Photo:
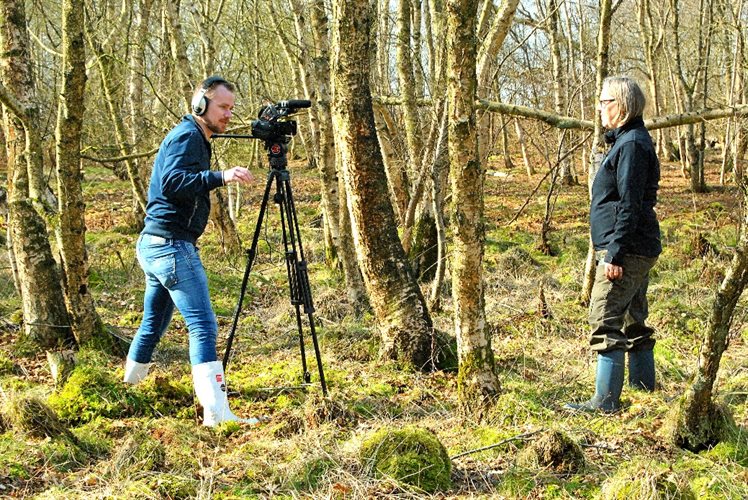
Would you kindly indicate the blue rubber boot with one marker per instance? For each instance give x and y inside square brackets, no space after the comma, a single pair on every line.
[642,370]
[608,384]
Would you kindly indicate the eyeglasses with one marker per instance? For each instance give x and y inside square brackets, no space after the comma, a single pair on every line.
[605,102]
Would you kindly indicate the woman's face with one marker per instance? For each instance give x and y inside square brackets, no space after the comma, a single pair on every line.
[609,110]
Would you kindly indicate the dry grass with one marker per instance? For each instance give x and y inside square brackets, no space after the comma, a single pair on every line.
[310,446]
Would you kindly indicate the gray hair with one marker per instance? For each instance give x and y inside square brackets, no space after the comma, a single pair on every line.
[628,94]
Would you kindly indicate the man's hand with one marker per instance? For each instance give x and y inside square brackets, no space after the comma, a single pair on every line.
[613,272]
[237,174]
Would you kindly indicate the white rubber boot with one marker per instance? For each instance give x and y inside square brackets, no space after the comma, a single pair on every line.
[210,387]
[135,372]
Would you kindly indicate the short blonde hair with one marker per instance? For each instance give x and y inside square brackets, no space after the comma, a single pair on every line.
[628,94]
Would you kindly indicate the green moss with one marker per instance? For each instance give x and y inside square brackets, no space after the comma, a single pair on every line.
[31,415]
[519,407]
[640,480]
[173,486]
[727,451]
[311,474]
[140,452]
[7,366]
[517,261]
[165,395]
[553,450]
[253,376]
[713,478]
[17,458]
[227,429]
[130,319]
[411,455]
[475,400]
[183,442]
[517,483]
[24,347]
[702,433]
[94,437]
[63,455]
[93,391]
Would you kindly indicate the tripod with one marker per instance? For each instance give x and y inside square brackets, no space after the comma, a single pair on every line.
[296,265]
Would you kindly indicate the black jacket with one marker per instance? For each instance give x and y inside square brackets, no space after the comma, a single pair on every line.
[624,193]
[179,192]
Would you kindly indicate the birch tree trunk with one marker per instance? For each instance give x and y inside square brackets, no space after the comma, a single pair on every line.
[334,192]
[523,145]
[734,93]
[179,52]
[395,297]
[495,35]
[740,143]
[415,32]
[105,62]
[566,175]
[698,419]
[598,142]
[45,317]
[477,383]
[353,280]
[406,78]
[135,91]
[331,198]
[652,44]
[383,48]
[71,231]
[687,91]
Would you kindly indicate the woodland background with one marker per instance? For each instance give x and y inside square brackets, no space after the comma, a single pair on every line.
[441,182]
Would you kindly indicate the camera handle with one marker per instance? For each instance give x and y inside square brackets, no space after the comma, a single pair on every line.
[296,264]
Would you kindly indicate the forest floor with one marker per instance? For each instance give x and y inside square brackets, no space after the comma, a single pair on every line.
[146,441]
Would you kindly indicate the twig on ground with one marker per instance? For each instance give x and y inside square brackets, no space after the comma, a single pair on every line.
[495,445]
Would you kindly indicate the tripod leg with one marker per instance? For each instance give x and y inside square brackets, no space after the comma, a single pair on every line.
[291,257]
[251,253]
[301,294]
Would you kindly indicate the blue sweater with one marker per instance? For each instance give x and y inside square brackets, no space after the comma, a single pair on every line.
[179,193]
[624,193]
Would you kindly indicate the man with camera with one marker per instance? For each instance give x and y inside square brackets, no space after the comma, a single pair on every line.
[176,215]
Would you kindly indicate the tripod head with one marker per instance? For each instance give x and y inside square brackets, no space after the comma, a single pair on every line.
[273,127]
[271,124]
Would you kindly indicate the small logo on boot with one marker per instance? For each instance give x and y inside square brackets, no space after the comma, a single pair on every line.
[219,380]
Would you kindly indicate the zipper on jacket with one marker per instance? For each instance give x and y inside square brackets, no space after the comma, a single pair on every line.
[194,209]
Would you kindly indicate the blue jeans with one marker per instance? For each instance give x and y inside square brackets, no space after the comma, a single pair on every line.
[174,276]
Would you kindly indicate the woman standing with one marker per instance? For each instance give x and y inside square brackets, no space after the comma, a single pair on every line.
[626,238]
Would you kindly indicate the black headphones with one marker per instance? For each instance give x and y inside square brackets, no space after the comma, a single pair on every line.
[199,101]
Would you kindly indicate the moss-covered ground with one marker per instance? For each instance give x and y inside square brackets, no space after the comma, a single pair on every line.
[146,441]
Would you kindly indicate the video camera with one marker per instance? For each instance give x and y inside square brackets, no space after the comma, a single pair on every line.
[270,124]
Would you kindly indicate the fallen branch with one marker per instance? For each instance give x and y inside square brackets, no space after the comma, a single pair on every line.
[571,123]
[495,445]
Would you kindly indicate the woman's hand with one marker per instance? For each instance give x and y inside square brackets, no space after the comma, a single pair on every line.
[613,272]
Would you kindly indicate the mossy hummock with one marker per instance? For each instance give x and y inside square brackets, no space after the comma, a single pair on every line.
[412,456]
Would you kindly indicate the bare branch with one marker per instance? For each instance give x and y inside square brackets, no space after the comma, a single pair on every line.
[571,123]
[695,117]
[562,122]
[121,158]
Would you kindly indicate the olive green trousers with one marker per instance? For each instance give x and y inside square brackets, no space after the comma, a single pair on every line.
[619,309]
